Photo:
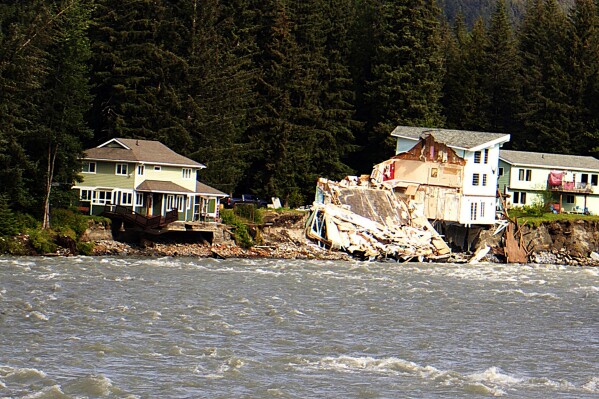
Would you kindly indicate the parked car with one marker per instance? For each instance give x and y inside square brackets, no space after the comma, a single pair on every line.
[246,199]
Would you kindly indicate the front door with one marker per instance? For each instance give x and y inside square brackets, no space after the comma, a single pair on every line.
[157,204]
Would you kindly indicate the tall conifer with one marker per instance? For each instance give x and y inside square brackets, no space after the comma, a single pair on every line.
[406,71]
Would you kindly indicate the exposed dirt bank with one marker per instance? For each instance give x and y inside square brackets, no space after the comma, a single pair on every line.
[564,242]
[573,243]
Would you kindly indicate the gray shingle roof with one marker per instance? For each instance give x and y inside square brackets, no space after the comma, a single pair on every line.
[146,151]
[549,161]
[463,139]
[202,188]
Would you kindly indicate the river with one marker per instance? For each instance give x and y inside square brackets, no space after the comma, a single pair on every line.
[85,327]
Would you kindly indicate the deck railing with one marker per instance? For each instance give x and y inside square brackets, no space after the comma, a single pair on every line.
[146,222]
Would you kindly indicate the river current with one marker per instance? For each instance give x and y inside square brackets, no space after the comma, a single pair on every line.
[85,327]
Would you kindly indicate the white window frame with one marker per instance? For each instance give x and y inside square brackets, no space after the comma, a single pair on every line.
[107,194]
[87,196]
[157,168]
[141,170]
[486,156]
[477,156]
[170,202]
[139,199]
[525,174]
[482,209]
[186,173]
[180,202]
[519,197]
[86,167]
[121,169]
[473,210]
[484,179]
[475,179]
[126,198]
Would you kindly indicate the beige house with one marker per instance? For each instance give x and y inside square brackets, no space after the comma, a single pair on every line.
[569,182]
[147,178]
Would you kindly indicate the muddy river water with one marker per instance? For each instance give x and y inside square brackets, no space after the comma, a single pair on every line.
[85,327]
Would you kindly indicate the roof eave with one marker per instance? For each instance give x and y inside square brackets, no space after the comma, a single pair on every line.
[500,140]
[114,140]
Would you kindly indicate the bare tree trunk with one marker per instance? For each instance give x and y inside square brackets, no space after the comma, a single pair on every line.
[49,178]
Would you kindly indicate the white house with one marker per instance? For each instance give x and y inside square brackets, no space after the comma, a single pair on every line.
[569,182]
[472,193]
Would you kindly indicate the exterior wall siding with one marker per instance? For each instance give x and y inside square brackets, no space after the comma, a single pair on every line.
[105,177]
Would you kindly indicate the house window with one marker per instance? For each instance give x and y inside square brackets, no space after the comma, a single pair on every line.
[482,209]
[85,195]
[170,202]
[487,155]
[157,168]
[477,157]
[139,199]
[126,198]
[102,197]
[186,173]
[519,197]
[88,167]
[475,179]
[525,175]
[473,210]
[484,179]
[140,170]
[584,178]
[180,203]
[569,199]
[121,169]
[500,172]
[594,180]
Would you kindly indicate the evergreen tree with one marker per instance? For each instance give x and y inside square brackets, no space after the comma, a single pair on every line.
[8,221]
[273,133]
[137,72]
[499,80]
[24,36]
[406,71]
[584,74]
[64,99]
[220,82]
[546,113]
[464,97]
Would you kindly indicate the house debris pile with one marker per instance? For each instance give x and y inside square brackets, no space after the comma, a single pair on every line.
[370,221]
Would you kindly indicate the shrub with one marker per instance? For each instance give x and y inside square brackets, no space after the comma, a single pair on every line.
[536,209]
[65,220]
[42,241]
[13,246]
[241,235]
[85,248]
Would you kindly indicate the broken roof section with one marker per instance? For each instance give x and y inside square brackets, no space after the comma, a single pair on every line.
[370,221]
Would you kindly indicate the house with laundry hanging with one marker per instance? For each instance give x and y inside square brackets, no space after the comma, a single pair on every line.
[449,175]
[569,183]
[145,183]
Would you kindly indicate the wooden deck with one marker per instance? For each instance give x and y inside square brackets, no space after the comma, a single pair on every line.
[119,212]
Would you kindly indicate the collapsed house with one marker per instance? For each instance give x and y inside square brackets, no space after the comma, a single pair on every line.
[370,221]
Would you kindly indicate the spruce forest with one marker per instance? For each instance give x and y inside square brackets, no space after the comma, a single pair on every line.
[272,94]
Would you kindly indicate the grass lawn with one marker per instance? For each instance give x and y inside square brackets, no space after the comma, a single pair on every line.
[549,217]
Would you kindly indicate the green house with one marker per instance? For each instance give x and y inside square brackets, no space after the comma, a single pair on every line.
[147,178]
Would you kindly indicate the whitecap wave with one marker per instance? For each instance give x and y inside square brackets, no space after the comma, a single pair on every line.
[492,381]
